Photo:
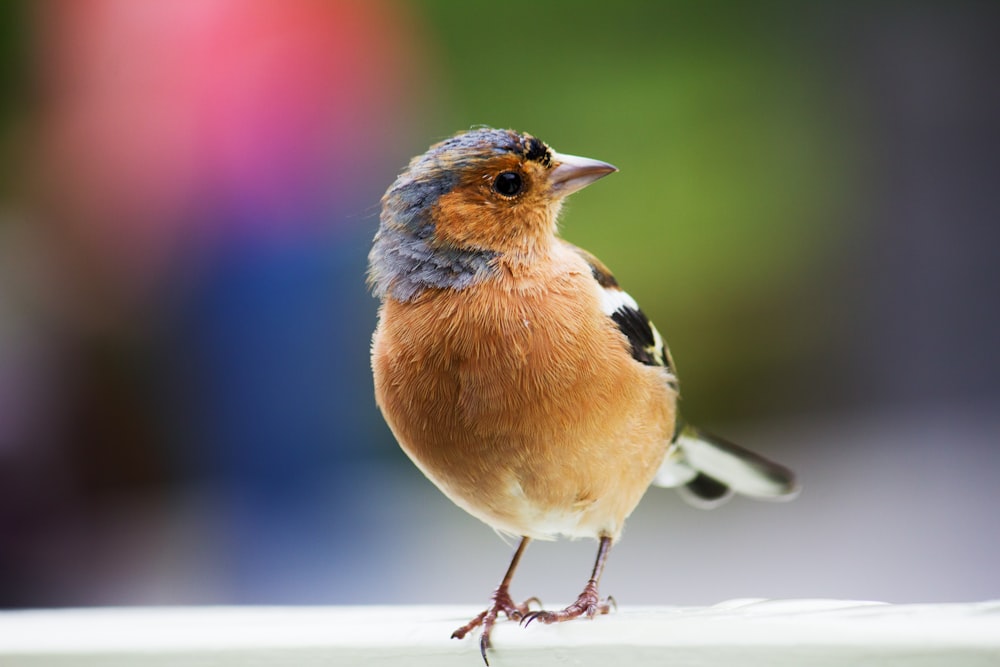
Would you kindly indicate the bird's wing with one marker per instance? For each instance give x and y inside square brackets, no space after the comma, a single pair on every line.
[646,342]
[705,468]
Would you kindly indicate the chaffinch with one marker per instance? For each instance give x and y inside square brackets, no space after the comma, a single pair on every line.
[515,372]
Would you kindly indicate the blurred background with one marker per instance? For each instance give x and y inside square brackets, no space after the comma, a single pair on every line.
[807,207]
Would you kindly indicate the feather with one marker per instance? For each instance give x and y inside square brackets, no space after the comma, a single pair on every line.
[718,461]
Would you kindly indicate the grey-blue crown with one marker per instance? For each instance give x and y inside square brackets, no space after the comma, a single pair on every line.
[404,260]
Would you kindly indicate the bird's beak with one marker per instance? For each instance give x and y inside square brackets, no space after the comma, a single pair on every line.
[573,172]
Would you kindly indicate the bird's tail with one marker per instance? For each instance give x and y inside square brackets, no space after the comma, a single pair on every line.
[707,470]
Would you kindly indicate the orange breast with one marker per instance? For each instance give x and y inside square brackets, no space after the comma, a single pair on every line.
[519,399]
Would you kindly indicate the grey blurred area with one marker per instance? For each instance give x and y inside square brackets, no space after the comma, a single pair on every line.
[807,208]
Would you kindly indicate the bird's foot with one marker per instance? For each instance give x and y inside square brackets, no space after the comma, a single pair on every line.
[500,602]
[589,604]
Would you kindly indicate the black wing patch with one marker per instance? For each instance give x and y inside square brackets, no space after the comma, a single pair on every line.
[646,344]
[639,331]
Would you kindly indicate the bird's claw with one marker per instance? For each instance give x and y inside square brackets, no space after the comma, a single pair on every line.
[588,604]
[500,602]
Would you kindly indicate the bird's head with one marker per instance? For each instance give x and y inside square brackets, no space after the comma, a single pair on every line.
[469,199]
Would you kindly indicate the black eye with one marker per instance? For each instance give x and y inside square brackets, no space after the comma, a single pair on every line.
[508,183]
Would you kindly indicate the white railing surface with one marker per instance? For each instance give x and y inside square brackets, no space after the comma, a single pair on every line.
[747,633]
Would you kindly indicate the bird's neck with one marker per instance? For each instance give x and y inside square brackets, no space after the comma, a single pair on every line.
[404,263]
[403,266]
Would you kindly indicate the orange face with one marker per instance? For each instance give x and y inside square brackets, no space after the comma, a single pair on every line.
[504,204]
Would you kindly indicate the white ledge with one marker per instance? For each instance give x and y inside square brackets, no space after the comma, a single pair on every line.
[740,632]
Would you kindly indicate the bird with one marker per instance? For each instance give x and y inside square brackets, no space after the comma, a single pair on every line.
[515,372]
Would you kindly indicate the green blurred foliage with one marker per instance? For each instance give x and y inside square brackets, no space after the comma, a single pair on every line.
[15,46]
[16,91]
[734,178]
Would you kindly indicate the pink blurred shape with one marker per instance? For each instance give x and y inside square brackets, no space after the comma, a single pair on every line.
[169,124]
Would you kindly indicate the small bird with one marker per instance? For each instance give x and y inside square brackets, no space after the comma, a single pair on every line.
[515,372]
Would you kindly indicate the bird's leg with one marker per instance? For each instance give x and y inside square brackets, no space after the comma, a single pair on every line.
[500,601]
[588,604]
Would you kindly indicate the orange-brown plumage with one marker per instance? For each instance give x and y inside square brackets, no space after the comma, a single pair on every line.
[514,371]
[520,400]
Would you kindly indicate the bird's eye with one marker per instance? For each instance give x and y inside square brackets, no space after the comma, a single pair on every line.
[508,183]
